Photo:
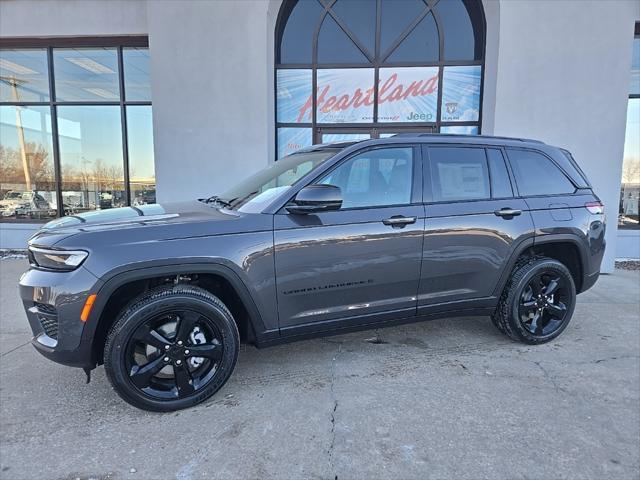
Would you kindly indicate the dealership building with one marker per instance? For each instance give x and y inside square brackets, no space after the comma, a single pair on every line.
[109,103]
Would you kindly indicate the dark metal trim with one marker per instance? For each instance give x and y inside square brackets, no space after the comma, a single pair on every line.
[81,41]
[74,103]
[57,168]
[123,126]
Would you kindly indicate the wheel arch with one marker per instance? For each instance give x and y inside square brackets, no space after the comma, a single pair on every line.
[136,280]
[566,248]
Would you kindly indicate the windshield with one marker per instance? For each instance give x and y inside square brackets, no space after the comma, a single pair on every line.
[256,192]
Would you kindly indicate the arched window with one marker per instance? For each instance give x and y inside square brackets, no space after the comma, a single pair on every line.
[355,69]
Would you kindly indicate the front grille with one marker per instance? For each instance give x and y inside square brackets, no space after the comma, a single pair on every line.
[50,326]
[44,308]
[48,317]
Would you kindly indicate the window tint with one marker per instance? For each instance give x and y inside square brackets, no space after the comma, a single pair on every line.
[24,77]
[500,183]
[137,84]
[26,163]
[86,74]
[459,173]
[335,46]
[460,41]
[421,45]
[397,15]
[359,16]
[375,178]
[298,33]
[537,175]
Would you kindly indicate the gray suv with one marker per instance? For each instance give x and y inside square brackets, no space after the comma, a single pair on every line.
[332,238]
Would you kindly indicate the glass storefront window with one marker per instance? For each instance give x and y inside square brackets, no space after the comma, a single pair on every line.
[84,117]
[86,74]
[137,86]
[142,178]
[24,75]
[292,139]
[345,95]
[90,139]
[378,67]
[344,137]
[461,94]
[408,94]
[293,96]
[460,129]
[634,87]
[628,217]
[27,180]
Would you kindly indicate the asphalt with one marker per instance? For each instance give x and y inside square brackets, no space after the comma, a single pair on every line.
[448,398]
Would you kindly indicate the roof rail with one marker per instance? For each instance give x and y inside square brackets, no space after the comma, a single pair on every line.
[454,135]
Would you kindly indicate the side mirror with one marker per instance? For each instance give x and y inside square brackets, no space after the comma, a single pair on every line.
[315,199]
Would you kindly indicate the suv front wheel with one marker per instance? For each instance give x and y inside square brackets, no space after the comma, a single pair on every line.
[537,303]
[172,348]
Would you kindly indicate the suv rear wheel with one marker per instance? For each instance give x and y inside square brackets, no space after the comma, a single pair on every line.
[171,348]
[537,303]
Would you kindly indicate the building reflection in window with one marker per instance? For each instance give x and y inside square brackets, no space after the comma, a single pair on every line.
[142,177]
[91,161]
[27,180]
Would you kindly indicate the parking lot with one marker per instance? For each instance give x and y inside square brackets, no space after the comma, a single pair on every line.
[447,398]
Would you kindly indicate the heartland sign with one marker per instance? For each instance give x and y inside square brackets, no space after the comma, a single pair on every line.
[334,99]
[405,94]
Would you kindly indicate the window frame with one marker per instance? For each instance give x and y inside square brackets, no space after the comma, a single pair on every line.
[416,185]
[631,96]
[120,43]
[428,178]
[377,60]
[512,172]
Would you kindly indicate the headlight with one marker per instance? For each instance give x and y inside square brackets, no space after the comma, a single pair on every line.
[56,259]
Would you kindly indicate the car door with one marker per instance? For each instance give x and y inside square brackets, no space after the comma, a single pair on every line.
[473,224]
[361,263]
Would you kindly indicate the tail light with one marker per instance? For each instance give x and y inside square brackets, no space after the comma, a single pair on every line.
[595,208]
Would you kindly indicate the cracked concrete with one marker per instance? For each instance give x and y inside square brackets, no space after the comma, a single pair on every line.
[449,398]
[335,408]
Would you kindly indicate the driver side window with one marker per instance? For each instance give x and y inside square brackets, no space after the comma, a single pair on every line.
[378,177]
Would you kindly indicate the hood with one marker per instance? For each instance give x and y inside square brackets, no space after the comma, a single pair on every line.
[146,222]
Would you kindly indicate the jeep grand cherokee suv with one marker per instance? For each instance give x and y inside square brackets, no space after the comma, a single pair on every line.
[332,238]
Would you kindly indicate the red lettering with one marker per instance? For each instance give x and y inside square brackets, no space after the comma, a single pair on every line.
[369,98]
[357,102]
[342,103]
[430,86]
[413,90]
[386,86]
[328,105]
[388,91]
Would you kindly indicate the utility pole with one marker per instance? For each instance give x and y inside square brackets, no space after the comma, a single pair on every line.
[23,145]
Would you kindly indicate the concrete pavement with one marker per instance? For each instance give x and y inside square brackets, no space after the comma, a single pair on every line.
[447,398]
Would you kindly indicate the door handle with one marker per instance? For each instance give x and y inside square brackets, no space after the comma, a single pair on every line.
[507,212]
[399,220]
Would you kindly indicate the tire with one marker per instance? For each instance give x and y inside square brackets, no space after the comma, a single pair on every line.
[537,303]
[150,355]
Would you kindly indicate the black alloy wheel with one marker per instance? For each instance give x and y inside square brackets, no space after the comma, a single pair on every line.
[538,301]
[543,304]
[172,348]
[174,354]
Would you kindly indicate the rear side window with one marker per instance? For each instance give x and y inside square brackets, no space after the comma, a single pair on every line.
[459,174]
[500,183]
[537,175]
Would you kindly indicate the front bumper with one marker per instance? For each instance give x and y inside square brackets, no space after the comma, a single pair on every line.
[53,302]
